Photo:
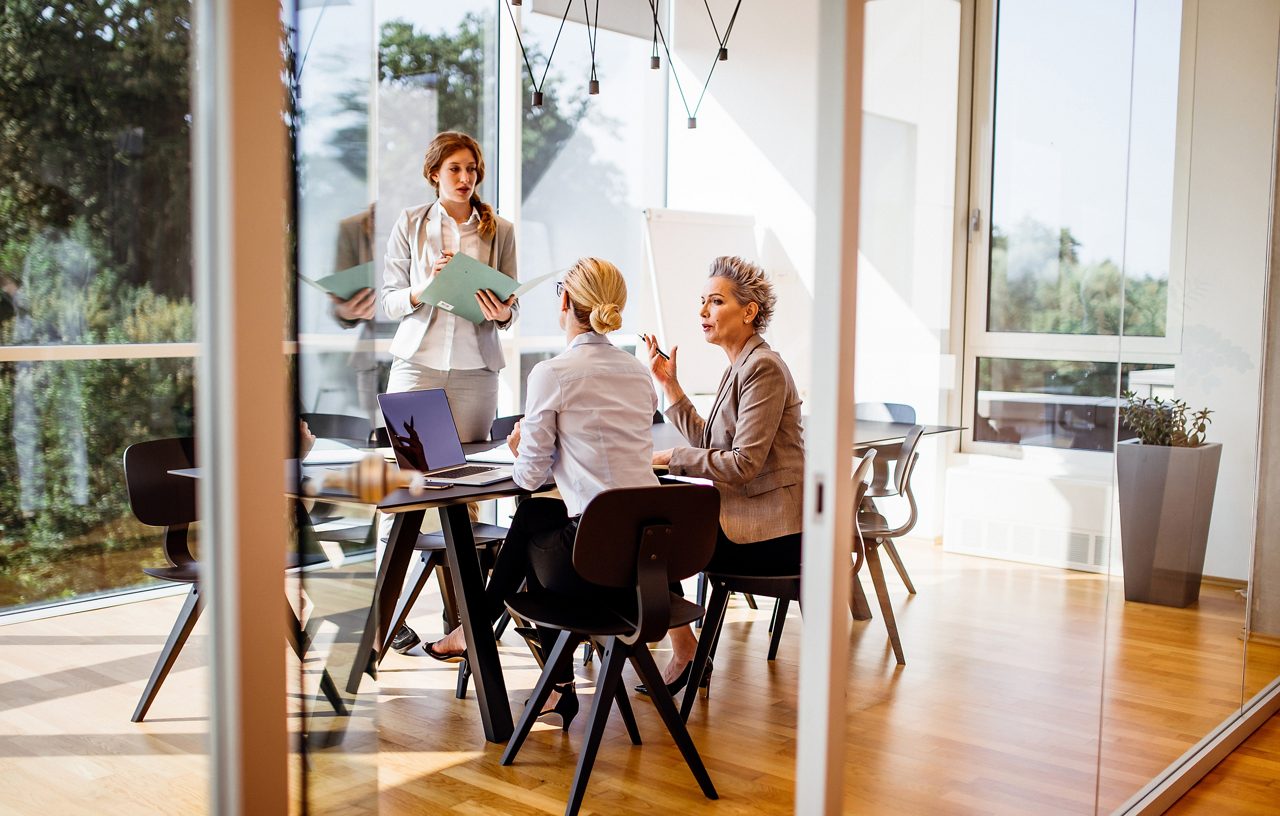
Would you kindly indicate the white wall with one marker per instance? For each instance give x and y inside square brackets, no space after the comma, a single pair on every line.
[1227,231]
[752,154]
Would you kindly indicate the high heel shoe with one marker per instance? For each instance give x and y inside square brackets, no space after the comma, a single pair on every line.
[683,680]
[566,706]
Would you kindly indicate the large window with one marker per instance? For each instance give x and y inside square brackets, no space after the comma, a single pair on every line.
[96,316]
[1080,245]
[590,165]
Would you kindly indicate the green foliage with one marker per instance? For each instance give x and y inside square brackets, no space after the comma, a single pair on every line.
[96,105]
[95,247]
[1157,422]
[1038,284]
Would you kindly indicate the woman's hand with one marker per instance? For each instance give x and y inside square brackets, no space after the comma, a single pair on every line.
[306,439]
[664,369]
[415,295]
[494,309]
[357,307]
[662,457]
[441,259]
[513,439]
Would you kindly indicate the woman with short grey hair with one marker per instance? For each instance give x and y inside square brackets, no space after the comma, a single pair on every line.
[750,446]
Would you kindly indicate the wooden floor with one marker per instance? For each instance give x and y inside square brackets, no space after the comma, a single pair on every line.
[1247,783]
[997,710]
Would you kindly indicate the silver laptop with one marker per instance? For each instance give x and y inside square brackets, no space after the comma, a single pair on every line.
[424,437]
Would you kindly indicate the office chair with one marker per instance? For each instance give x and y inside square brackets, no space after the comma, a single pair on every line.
[161,499]
[785,588]
[640,538]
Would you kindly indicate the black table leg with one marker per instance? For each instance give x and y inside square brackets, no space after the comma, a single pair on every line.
[482,649]
[386,591]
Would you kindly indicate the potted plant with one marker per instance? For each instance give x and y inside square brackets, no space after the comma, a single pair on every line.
[1166,477]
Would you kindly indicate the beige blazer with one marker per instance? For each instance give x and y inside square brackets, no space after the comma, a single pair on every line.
[751,447]
[407,267]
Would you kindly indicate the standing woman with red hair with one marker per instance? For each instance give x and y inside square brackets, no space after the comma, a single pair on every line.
[432,348]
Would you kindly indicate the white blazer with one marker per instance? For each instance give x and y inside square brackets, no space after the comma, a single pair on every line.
[407,267]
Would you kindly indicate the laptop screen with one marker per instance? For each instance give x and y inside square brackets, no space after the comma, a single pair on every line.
[421,430]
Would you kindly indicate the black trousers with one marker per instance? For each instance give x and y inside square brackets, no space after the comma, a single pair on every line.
[773,556]
[539,550]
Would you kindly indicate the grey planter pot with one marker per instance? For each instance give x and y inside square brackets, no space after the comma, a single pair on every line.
[1166,500]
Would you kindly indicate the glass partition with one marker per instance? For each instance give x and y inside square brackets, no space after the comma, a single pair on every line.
[1195,279]
[95,285]
[337,367]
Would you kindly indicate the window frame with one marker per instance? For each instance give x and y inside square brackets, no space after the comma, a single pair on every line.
[975,227]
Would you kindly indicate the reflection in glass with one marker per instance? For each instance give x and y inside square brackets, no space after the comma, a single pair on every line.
[66,530]
[586,178]
[1058,403]
[95,239]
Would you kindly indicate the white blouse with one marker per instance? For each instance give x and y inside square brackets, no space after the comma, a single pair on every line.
[451,343]
[587,422]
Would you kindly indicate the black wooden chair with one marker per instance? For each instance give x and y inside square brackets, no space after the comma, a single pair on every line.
[785,588]
[162,499]
[352,430]
[642,538]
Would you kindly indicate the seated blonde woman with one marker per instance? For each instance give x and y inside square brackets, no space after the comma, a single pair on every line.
[591,393]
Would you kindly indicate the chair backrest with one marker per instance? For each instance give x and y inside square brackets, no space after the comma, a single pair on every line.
[156,496]
[647,538]
[906,458]
[502,427]
[885,412]
[344,428]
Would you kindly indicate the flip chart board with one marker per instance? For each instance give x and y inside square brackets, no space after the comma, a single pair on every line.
[680,246]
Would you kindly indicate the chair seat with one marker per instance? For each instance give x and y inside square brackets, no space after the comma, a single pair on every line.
[881,492]
[185,574]
[871,523]
[569,612]
[485,535]
[772,586]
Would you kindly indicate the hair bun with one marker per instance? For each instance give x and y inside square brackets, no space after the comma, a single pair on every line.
[606,317]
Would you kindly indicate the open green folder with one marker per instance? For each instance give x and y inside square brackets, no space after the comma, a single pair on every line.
[345,283]
[454,289]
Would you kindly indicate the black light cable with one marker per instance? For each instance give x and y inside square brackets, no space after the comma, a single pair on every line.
[721,56]
[593,34]
[537,86]
[655,61]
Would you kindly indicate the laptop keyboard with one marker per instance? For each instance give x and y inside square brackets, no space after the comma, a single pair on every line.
[461,472]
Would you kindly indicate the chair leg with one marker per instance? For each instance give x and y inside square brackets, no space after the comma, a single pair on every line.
[648,671]
[169,654]
[296,634]
[464,679]
[702,597]
[562,651]
[501,626]
[886,608]
[779,621]
[750,599]
[624,702]
[706,644]
[773,619]
[858,605]
[898,565]
[409,595]
[607,689]
[451,620]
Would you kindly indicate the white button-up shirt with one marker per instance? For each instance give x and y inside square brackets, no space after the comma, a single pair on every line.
[452,342]
[588,413]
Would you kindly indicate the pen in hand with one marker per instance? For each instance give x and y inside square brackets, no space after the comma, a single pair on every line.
[661,353]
